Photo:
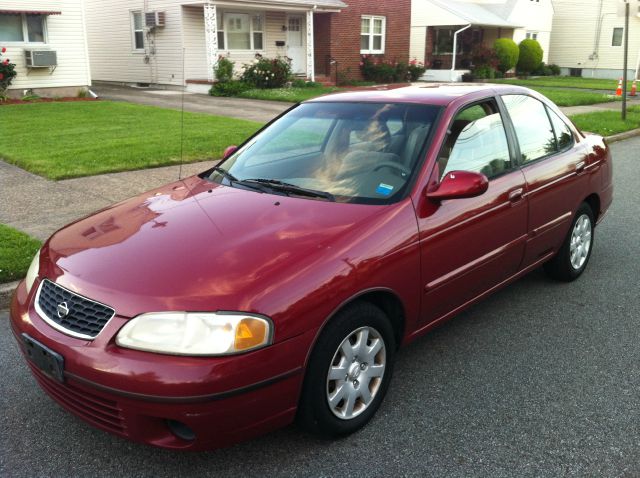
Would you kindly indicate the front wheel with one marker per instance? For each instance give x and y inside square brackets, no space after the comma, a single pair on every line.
[572,258]
[348,372]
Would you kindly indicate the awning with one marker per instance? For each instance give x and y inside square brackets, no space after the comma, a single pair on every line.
[29,12]
[473,14]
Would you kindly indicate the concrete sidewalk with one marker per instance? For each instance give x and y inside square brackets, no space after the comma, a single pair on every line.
[39,206]
[255,110]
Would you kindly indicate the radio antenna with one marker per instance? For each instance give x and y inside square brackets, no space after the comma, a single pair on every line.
[182,119]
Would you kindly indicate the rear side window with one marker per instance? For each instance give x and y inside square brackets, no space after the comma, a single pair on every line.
[564,137]
[533,129]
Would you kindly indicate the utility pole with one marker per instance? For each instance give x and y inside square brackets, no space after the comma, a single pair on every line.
[626,54]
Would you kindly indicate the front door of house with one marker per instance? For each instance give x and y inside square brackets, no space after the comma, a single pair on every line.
[295,43]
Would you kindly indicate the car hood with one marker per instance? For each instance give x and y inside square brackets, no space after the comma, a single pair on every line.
[196,245]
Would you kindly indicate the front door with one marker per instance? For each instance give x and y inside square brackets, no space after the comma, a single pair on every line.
[296,49]
[470,245]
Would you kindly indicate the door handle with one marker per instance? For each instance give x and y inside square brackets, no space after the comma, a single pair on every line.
[580,167]
[516,195]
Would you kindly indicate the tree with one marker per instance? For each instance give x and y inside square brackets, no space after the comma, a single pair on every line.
[507,52]
[530,56]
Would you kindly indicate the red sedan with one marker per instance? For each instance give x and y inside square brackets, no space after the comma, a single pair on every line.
[281,282]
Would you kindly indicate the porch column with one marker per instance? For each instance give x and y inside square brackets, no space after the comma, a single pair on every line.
[211,37]
[310,61]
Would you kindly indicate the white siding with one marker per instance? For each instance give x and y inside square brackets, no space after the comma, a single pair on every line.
[65,35]
[111,48]
[575,38]
[114,59]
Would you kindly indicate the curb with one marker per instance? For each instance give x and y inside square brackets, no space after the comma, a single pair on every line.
[6,292]
[622,136]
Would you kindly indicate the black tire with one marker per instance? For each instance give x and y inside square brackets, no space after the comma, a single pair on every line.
[560,266]
[314,413]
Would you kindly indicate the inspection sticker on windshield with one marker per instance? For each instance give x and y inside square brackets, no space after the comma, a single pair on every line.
[384,189]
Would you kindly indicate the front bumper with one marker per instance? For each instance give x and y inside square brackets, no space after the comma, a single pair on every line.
[136,395]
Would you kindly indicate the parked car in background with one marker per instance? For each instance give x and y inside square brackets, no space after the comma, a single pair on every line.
[281,282]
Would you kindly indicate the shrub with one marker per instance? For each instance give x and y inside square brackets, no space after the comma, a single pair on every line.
[555,69]
[7,74]
[383,71]
[267,72]
[484,73]
[223,70]
[304,84]
[507,53]
[415,70]
[229,88]
[483,57]
[468,77]
[530,56]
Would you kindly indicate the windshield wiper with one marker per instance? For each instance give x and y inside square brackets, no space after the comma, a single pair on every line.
[290,188]
[225,173]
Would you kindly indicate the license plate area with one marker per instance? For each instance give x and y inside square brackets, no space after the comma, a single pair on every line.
[50,362]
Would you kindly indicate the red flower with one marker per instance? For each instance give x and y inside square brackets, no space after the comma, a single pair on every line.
[6,62]
[4,50]
[1,76]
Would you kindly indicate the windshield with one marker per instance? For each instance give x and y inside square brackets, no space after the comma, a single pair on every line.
[350,152]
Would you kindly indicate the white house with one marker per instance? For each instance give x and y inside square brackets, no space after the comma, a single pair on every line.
[153,41]
[46,40]
[588,38]
[436,25]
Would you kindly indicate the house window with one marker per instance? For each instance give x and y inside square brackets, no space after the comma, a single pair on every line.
[372,33]
[241,31]
[444,41]
[22,27]
[532,35]
[616,39]
[138,30]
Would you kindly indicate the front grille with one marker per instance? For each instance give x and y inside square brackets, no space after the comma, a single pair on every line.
[85,318]
[96,410]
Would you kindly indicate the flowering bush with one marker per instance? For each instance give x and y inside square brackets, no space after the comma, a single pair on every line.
[379,70]
[7,74]
[415,70]
[267,72]
[223,69]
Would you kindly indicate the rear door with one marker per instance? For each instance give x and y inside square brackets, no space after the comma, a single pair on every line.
[553,165]
[470,245]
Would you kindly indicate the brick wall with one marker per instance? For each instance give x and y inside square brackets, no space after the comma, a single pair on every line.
[321,37]
[344,34]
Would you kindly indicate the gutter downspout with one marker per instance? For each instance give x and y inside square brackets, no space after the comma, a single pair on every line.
[455,48]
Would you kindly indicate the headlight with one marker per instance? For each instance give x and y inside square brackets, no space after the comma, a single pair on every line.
[195,333]
[32,272]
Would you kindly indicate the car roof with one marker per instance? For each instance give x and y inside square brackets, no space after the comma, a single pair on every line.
[440,94]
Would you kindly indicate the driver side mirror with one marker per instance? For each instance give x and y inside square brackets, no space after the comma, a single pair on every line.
[460,184]
[229,151]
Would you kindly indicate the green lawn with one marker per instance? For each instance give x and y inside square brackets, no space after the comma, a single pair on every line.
[607,123]
[292,95]
[16,251]
[66,140]
[565,97]
[566,82]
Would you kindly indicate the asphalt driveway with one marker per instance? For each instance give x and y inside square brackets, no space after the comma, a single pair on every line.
[541,379]
[255,110]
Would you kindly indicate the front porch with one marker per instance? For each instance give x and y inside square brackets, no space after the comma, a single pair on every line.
[239,30]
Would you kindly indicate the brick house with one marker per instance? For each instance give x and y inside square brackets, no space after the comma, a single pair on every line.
[381,28]
[178,42]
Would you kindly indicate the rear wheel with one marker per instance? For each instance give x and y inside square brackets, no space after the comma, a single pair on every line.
[348,372]
[572,258]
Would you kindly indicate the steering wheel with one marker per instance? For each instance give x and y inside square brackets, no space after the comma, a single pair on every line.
[393,165]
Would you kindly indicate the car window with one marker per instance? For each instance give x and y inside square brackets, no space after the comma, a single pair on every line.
[533,129]
[305,135]
[346,149]
[476,142]
[564,136]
